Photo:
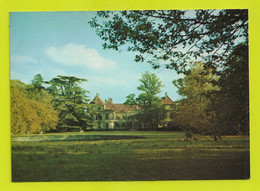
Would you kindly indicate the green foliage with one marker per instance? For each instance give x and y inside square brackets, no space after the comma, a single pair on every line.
[38,81]
[173,38]
[152,116]
[71,101]
[197,82]
[31,110]
[152,110]
[130,100]
[150,86]
[231,103]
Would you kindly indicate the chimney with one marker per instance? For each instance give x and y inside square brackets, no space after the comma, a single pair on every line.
[110,99]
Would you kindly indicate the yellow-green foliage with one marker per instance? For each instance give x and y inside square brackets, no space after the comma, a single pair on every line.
[191,111]
[31,110]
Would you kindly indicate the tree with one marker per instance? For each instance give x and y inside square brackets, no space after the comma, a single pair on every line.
[31,111]
[191,112]
[38,81]
[173,38]
[152,116]
[231,102]
[71,101]
[130,100]
[152,110]
[150,87]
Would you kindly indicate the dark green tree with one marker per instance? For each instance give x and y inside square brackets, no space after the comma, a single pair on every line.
[36,90]
[38,81]
[173,38]
[71,100]
[231,102]
[152,116]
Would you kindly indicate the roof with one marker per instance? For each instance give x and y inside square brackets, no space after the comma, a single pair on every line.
[166,100]
[97,100]
[110,105]
[119,107]
[116,107]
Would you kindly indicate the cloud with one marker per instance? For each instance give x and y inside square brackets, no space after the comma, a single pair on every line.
[72,55]
[23,59]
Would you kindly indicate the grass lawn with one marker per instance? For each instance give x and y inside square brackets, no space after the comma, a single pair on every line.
[129,155]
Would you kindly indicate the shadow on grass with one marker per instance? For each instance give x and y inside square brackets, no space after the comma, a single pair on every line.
[34,138]
[128,166]
[143,157]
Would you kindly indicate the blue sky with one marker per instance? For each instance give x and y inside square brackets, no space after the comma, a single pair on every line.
[63,43]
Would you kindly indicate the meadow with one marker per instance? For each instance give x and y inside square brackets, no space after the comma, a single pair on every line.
[127,156]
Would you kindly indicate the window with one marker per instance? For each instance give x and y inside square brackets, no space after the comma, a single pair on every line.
[99,117]
[99,125]
[116,125]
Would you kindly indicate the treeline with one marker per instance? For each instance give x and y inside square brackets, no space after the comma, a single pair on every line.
[62,105]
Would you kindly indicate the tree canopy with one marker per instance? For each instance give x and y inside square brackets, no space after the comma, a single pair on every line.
[152,110]
[38,81]
[70,100]
[173,38]
[176,39]
[130,100]
[231,102]
[31,109]
[150,87]
[191,112]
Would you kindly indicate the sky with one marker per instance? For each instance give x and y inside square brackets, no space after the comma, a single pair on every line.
[63,43]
